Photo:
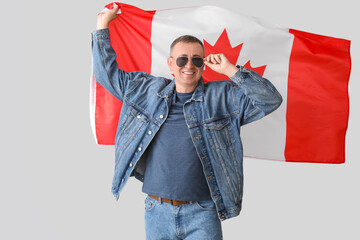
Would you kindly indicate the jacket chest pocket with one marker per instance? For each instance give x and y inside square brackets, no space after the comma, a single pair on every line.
[220,134]
[132,123]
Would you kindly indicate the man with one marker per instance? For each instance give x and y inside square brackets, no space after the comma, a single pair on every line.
[181,137]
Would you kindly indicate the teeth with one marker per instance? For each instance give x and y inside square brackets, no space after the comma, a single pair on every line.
[189,72]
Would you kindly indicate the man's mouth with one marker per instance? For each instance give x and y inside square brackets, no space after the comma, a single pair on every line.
[188,73]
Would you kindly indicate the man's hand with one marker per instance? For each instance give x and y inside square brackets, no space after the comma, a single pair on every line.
[220,64]
[105,18]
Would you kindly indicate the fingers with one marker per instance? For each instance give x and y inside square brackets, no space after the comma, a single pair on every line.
[215,58]
[106,16]
[115,8]
[220,64]
[111,12]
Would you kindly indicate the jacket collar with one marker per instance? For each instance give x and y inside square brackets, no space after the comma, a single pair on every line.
[198,94]
[199,91]
[168,90]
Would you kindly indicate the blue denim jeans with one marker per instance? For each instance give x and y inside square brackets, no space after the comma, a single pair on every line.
[196,220]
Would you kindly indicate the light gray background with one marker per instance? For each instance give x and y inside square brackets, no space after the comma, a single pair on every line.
[55,181]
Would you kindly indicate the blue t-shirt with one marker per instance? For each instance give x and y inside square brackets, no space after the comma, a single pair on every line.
[173,168]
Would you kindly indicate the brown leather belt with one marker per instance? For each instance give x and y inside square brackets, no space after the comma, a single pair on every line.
[172,202]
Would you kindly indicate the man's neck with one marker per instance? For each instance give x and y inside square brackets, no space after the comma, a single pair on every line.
[185,89]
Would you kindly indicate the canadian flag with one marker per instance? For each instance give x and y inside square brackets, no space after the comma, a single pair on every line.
[310,71]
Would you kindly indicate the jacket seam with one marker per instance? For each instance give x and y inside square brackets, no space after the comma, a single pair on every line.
[142,111]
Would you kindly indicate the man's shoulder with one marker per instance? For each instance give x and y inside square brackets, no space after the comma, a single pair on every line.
[219,84]
[149,77]
[219,88]
[149,81]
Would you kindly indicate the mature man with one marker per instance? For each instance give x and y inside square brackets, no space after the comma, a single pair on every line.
[181,137]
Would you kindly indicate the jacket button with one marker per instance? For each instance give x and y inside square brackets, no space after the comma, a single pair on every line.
[149,132]
[130,164]
[122,180]
[138,116]
[161,116]
[139,149]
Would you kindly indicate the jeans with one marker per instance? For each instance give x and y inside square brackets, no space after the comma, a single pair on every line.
[197,220]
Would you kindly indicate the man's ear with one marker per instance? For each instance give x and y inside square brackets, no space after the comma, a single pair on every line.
[170,63]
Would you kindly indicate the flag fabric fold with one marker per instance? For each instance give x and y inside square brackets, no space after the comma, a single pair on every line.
[310,71]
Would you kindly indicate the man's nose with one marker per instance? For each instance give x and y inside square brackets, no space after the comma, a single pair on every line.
[189,64]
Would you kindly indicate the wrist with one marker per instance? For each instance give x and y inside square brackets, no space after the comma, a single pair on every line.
[231,70]
[102,26]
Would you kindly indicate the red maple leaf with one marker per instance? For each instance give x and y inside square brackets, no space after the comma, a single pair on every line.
[260,70]
[223,45]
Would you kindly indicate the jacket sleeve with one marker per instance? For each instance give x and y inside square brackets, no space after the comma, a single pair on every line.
[106,70]
[255,96]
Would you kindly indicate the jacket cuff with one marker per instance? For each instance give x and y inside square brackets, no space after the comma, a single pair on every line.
[237,77]
[101,34]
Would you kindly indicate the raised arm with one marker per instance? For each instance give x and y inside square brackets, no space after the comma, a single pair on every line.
[106,70]
[256,96]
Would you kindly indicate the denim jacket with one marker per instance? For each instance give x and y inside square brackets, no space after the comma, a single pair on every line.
[213,115]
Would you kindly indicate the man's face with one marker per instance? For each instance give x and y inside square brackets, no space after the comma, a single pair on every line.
[188,76]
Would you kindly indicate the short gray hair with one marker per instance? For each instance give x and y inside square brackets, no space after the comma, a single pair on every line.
[186,39]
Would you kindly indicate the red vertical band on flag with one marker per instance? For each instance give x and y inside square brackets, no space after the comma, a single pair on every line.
[317,99]
[133,50]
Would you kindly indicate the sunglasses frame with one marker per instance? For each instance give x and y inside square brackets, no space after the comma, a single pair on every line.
[187,60]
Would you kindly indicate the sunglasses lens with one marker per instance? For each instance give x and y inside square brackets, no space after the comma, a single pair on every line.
[181,61]
[198,62]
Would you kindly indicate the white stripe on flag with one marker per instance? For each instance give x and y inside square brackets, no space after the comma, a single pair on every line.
[92,98]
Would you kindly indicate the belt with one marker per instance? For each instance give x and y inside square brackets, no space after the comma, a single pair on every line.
[172,202]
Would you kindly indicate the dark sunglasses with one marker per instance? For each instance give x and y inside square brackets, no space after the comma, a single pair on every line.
[197,61]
